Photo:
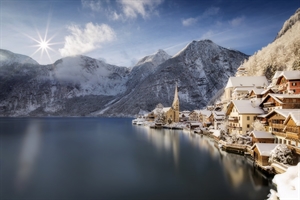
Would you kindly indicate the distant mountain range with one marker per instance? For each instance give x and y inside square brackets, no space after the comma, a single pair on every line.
[83,86]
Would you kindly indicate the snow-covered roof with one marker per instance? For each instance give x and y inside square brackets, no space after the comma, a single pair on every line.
[277,74]
[265,148]
[258,90]
[196,124]
[289,75]
[243,89]
[262,134]
[216,133]
[219,113]
[282,112]
[279,97]
[207,113]
[295,115]
[247,81]
[265,91]
[246,107]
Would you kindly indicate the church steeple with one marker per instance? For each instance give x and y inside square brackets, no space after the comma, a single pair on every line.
[175,105]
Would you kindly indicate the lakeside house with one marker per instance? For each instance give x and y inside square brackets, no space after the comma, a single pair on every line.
[262,137]
[243,82]
[280,101]
[241,114]
[287,82]
[262,152]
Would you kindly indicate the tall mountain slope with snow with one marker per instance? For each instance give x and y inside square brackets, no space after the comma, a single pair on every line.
[200,70]
[71,86]
[282,54]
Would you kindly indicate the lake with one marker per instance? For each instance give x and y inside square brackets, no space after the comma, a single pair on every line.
[109,158]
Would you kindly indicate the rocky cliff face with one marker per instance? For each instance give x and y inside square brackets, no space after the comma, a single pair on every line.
[82,86]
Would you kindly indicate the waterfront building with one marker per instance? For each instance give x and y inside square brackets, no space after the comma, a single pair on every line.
[241,114]
[262,137]
[292,129]
[280,101]
[194,116]
[206,117]
[243,83]
[262,152]
[218,118]
[286,82]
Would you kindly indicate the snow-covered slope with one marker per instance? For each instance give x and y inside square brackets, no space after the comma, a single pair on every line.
[8,58]
[200,69]
[79,86]
[281,54]
[156,59]
[94,77]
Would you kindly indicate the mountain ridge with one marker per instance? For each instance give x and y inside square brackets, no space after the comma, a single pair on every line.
[83,86]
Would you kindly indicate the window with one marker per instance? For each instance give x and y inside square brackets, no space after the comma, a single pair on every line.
[248,125]
[294,84]
[254,118]
[248,117]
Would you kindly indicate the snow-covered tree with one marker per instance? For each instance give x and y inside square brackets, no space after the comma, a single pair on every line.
[258,126]
[282,154]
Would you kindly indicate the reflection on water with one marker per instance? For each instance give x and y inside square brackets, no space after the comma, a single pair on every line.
[162,139]
[109,158]
[28,154]
[236,169]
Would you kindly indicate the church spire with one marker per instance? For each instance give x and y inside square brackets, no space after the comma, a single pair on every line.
[175,103]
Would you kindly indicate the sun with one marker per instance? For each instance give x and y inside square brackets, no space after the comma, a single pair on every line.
[44,45]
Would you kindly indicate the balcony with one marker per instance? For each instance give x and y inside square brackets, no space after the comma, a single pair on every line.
[269,104]
[279,126]
[233,119]
[279,133]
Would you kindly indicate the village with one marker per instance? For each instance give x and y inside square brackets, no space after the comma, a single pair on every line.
[255,117]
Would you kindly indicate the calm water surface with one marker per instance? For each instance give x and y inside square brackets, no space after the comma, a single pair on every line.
[109,158]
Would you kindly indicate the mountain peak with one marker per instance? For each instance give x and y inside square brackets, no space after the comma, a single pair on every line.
[197,44]
[8,57]
[157,58]
[289,23]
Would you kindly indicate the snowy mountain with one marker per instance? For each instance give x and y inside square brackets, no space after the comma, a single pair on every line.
[8,58]
[71,86]
[83,86]
[200,70]
[282,54]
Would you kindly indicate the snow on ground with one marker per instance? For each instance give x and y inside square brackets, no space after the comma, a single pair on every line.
[288,184]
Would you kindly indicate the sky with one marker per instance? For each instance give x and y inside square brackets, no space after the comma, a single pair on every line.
[121,32]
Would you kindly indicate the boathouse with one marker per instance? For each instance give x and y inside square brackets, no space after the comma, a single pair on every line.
[262,152]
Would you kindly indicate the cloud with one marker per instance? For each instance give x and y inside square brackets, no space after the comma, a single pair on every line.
[237,21]
[128,9]
[133,8]
[189,21]
[210,11]
[84,40]
[207,13]
[208,35]
[94,5]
